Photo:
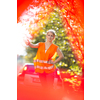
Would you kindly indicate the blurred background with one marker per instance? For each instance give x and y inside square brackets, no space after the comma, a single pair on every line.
[66,17]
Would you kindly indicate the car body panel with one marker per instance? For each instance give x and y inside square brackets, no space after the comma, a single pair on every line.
[28,76]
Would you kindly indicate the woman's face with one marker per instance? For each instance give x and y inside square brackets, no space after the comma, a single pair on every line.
[50,36]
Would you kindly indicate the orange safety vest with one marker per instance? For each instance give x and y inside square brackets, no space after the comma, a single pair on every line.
[41,60]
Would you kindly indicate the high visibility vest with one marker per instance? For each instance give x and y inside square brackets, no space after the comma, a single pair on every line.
[41,60]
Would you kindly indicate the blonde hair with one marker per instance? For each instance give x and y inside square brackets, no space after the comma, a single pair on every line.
[52,31]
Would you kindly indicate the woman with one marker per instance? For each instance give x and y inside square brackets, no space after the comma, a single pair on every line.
[45,59]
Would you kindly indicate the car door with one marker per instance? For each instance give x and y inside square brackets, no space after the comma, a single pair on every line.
[31,77]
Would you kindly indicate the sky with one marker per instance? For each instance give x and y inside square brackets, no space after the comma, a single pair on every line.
[20,39]
[22,32]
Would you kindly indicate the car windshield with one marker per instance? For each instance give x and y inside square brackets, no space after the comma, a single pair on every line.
[30,68]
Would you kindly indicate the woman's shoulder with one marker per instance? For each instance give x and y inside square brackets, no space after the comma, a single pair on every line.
[55,45]
[40,43]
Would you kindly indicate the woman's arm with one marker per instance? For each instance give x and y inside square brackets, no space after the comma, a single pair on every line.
[31,45]
[61,56]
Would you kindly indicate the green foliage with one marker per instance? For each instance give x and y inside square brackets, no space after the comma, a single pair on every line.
[61,40]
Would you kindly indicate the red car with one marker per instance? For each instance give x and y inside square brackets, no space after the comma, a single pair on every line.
[28,76]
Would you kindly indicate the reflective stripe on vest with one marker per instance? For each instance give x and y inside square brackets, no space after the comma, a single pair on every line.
[40,61]
[40,67]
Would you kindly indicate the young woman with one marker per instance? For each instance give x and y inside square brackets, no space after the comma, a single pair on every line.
[45,59]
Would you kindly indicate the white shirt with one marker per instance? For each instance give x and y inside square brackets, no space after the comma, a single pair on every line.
[45,51]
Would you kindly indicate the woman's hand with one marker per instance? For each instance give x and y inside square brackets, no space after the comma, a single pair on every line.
[27,42]
[51,62]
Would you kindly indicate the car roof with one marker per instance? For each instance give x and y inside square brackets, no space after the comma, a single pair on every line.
[28,64]
[33,64]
